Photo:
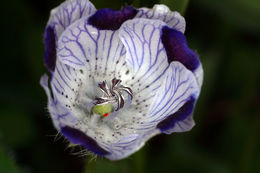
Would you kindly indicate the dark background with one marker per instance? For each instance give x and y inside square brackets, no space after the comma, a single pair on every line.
[226,34]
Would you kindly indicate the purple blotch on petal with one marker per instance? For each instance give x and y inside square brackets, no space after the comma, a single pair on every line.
[78,137]
[180,115]
[109,19]
[50,48]
[177,49]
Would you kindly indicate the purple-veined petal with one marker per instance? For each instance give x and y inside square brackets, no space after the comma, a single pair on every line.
[90,50]
[99,52]
[177,49]
[124,146]
[109,19]
[78,137]
[163,13]
[64,115]
[177,88]
[61,17]
[67,13]
[65,84]
[60,114]
[181,120]
[146,58]
[50,48]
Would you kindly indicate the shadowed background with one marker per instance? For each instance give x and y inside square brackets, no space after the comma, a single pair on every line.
[225,33]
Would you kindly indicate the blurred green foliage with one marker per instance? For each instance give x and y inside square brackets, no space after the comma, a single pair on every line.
[226,34]
[7,164]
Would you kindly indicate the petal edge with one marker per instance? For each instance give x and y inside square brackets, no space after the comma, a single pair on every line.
[177,49]
[183,113]
[78,137]
[109,19]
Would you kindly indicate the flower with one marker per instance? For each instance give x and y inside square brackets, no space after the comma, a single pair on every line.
[118,78]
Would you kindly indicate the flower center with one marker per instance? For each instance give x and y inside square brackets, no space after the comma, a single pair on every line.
[113,98]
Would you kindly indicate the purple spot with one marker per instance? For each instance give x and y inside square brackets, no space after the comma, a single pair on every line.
[180,115]
[177,49]
[109,19]
[50,48]
[78,137]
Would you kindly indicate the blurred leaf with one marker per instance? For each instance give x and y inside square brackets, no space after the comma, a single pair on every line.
[186,152]
[135,163]
[210,61]
[16,127]
[176,5]
[140,161]
[102,165]
[136,3]
[245,14]
[148,3]
[34,55]
[7,164]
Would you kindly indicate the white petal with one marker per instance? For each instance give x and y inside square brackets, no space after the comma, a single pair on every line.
[163,13]
[176,89]
[68,12]
[60,115]
[100,52]
[146,57]
[199,75]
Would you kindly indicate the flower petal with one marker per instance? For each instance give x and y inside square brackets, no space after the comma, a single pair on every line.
[77,137]
[109,19]
[146,56]
[124,147]
[67,13]
[177,49]
[65,84]
[178,87]
[60,114]
[50,48]
[179,121]
[99,52]
[163,13]
[61,17]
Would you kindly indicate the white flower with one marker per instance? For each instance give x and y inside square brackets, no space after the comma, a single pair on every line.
[118,78]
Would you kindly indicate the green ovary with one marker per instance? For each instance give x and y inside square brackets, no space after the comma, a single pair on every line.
[102,109]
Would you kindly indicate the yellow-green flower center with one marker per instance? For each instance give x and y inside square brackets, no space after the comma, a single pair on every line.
[102,109]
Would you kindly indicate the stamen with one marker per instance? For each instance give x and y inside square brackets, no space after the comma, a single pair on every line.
[104,87]
[115,82]
[113,94]
[120,99]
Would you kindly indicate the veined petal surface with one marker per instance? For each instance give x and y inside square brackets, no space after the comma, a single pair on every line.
[139,55]
[146,58]
[68,12]
[61,17]
[177,49]
[59,113]
[98,52]
[163,13]
[176,89]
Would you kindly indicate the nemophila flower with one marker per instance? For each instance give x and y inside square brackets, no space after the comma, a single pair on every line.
[118,78]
